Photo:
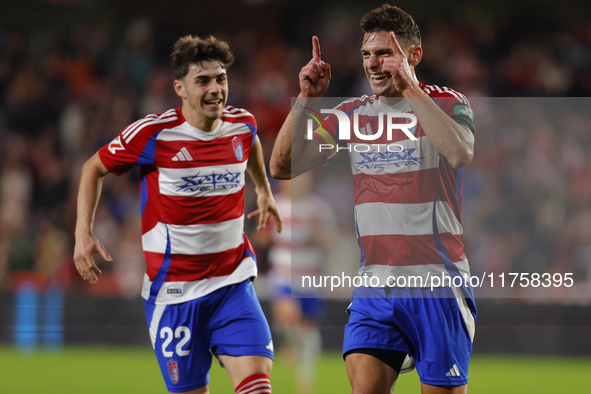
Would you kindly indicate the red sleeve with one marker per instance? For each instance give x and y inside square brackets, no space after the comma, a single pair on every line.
[119,157]
[136,144]
[454,104]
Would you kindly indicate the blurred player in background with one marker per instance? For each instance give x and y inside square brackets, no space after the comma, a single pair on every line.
[197,289]
[300,249]
[407,209]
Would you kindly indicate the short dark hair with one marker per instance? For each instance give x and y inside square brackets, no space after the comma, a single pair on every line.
[191,49]
[391,18]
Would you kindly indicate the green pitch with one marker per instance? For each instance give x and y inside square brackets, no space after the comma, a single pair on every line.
[130,370]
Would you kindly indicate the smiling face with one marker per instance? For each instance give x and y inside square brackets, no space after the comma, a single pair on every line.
[204,91]
[376,45]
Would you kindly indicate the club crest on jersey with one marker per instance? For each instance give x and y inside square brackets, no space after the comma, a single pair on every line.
[116,145]
[238,149]
[173,371]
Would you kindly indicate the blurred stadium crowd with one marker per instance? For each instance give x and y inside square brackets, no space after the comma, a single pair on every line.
[68,89]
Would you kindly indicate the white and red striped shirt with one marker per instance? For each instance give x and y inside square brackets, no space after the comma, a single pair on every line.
[192,201]
[407,201]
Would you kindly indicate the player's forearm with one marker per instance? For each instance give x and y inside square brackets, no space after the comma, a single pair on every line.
[280,163]
[89,191]
[256,168]
[451,139]
[292,154]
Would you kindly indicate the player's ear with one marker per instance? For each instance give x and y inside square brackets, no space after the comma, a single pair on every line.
[415,56]
[179,88]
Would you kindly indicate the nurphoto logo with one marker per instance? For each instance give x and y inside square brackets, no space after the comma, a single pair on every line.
[386,124]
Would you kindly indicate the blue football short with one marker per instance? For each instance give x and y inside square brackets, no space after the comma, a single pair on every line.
[228,321]
[436,331]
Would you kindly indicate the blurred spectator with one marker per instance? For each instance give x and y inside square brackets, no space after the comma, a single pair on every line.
[301,249]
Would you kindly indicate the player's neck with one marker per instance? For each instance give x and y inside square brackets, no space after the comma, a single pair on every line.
[200,122]
[392,100]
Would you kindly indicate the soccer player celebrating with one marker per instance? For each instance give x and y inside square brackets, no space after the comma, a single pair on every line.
[407,188]
[197,289]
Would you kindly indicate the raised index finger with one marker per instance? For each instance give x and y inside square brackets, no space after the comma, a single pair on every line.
[315,48]
[394,44]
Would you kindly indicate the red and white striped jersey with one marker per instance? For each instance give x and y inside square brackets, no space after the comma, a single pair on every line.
[192,201]
[407,195]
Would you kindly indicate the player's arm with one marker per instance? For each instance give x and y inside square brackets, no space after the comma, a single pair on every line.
[267,207]
[87,245]
[451,139]
[292,154]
